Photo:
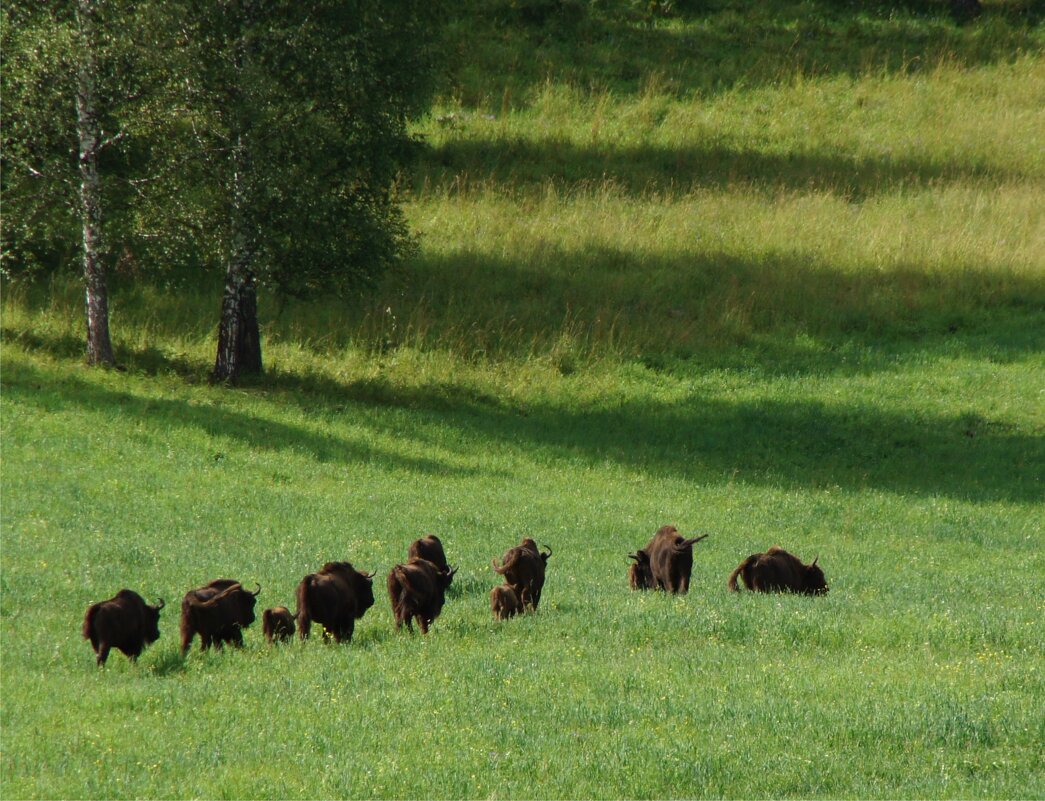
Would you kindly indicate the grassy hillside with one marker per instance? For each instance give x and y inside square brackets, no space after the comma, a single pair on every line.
[768,271]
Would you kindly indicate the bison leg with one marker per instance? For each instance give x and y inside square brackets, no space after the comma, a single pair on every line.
[103,652]
[236,638]
[423,624]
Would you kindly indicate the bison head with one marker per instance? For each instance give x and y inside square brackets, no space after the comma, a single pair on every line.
[815,582]
[364,587]
[152,621]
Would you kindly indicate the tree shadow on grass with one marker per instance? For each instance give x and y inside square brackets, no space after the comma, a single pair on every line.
[671,307]
[522,165]
[26,385]
[723,44]
[800,444]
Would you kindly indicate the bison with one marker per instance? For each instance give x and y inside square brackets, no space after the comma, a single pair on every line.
[277,624]
[523,568]
[218,612]
[504,602]
[418,590]
[776,570]
[430,548]
[671,559]
[335,597]
[640,574]
[124,622]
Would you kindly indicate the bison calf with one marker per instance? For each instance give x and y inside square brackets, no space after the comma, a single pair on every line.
[277,624]
[504,602]
[218,612]
[418,590]
[124,622]
[640,574]
[523,568]
[776,570]
[335,596]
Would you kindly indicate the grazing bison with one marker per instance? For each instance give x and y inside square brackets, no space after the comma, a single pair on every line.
[778,571]
[335,597]
[504,602]
[418,590]
[430,548]
[124,622]
[218,612]
[523,568]
[671,559]
[640,574]
[277,623]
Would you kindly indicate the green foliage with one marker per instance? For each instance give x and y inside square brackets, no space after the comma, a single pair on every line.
[319,95]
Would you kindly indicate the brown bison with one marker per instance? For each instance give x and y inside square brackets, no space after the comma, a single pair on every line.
[523,568]
[504,603]
[124,622]
[335,597]
[671,559]
[778,571]
[418,590]
[277,623]
[640,574]
[218,612]
[430,548]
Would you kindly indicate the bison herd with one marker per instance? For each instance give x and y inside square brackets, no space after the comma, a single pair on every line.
[337,595]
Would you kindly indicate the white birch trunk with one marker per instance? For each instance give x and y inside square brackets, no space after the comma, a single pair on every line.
[99,345]
[239,338]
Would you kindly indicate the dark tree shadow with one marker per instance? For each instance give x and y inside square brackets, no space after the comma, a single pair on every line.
[527,165]
[26,385]
[723,43]
[797,444]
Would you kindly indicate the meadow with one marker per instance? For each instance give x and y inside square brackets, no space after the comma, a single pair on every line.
[773,272]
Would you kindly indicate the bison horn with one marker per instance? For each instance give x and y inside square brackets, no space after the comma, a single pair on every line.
[634,556]
[370,575]
[814,561]
[546,555]
[257,592]
[160,605]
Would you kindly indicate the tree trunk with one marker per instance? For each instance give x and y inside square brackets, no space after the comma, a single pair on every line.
[239,339]
[99,346]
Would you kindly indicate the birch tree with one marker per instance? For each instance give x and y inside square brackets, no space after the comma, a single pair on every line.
[64,90]
[295,114]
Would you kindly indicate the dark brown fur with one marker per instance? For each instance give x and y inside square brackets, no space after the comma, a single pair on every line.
[124,622]
[277,623]
[523,568]
[671,559]
[418,590]
[504,603]
[218,612]
[430,548]
[640,574]
[335,597]
[776,570]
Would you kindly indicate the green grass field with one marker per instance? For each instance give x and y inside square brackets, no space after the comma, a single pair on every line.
[771,272]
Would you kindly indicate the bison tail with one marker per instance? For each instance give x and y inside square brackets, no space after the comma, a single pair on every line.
[741,568]
[497,569]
